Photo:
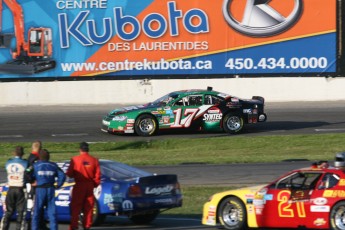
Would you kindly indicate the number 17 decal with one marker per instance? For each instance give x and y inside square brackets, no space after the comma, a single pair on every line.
[185,122]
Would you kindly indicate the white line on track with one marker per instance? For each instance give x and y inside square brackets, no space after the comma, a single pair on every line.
[11,136]
[70,135]
[329,130]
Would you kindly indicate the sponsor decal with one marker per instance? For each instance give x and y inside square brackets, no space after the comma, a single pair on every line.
[159,190]
[119,118]
[166,120]
[342,182]
[97,192]
[127,205]
[118,197]
[128,131]
[212,117]
[63,203]
[320,201]
[108,198]
[130,121]
[63,197]
[111,206]
[334,193]
[164,201]
[261,19]
[268,197]
[319,222]
[320,208]
[120,128]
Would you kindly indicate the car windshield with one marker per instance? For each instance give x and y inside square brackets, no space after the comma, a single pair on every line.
[118,171]
[162,101]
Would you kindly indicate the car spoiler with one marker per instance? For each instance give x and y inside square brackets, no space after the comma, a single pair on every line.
[158,179]
[259,98]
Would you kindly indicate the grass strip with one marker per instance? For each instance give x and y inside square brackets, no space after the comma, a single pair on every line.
[217,150]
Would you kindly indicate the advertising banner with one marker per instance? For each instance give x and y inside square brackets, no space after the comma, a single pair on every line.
[136,38]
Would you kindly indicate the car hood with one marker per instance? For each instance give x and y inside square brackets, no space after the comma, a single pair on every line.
[127,109]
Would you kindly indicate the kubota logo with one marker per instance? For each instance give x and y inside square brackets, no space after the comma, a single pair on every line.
[262,18]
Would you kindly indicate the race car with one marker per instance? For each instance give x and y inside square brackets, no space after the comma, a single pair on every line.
[312,197]
[187,109]
[124,190]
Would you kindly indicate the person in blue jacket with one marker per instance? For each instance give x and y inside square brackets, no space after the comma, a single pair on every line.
[45,174]
[15,198]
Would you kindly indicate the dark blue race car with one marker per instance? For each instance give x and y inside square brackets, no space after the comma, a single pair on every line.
[124,190]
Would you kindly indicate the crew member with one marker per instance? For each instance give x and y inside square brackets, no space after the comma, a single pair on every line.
[15,198]
[45,173]
[85,170]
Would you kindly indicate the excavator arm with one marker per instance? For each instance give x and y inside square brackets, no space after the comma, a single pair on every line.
[18,21]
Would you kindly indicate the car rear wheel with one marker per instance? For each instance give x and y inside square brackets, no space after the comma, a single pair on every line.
[233,123]
[232,214]
[145,125]
[97,218]
[145,218]
[337,217]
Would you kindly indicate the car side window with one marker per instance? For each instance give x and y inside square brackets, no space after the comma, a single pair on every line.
[191,100]
[329,180]
[298,180]
[212,100]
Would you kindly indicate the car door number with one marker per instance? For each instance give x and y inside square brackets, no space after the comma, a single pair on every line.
[285,207]
[185,122]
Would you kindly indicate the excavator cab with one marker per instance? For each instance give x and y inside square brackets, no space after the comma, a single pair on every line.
[40,42]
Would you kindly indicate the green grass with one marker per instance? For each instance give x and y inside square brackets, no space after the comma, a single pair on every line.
[230,149]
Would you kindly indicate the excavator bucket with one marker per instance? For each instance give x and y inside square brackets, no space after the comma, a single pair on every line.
[5,40]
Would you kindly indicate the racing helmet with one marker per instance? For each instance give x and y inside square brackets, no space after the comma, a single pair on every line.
[340,160]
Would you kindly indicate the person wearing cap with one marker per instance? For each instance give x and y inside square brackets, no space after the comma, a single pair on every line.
[45,174]
[86,172]
[15,198]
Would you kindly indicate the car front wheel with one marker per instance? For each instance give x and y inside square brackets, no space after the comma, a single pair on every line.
[145,125]
[233,123]
[337,217]
[232,214]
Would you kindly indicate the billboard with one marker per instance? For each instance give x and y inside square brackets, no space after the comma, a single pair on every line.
[130,38]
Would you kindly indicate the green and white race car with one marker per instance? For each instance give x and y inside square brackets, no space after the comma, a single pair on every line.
[187,109]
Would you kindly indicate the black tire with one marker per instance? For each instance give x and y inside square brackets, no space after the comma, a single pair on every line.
[145,125]
[337,216]
[232,214]
[144,218]
[233,123]
[97,218]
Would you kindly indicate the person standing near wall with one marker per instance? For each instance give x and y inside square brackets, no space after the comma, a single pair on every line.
[15,198]
[86,172]
[45,172]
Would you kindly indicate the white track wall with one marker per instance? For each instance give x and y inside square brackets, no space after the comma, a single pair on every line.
[141,91]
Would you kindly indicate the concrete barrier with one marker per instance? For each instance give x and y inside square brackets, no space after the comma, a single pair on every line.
[277,89]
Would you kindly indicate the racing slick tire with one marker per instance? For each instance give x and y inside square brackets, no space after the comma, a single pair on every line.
[233,123]
[337,221]
[145,125]
[97,218]
[232,214]
[144,218]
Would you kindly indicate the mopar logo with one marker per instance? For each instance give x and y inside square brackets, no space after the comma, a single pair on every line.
[260,19]
[159,190]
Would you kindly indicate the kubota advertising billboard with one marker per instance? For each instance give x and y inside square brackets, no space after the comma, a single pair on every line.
[139,38]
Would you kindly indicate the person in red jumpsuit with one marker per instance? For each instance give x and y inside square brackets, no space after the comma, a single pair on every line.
[86,172]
